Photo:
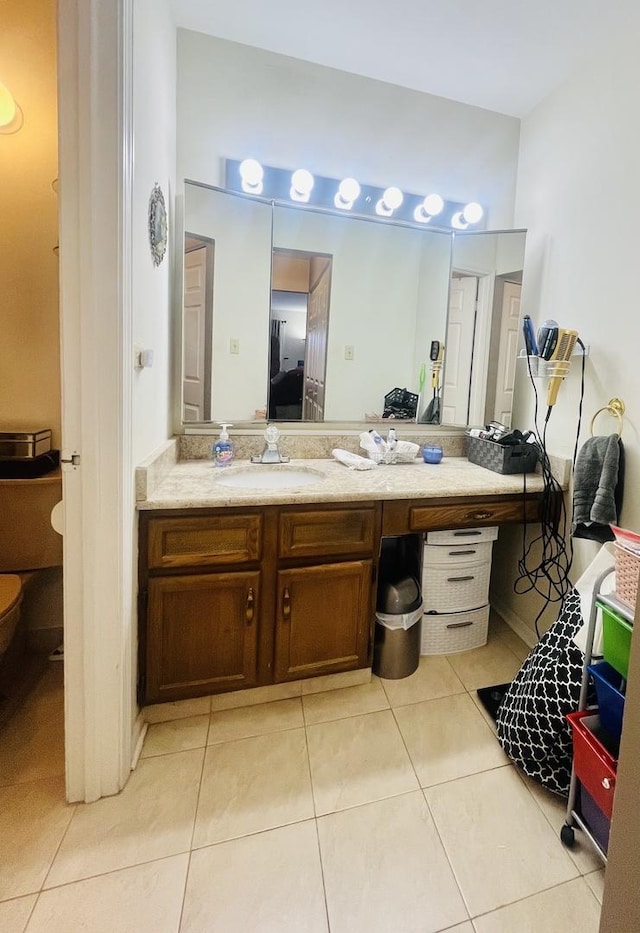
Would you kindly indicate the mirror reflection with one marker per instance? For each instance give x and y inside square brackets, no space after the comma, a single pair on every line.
[302,316]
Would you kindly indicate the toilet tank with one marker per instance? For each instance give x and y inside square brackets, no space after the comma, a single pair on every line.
[27,540]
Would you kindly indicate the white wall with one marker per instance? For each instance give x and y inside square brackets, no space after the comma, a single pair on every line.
[154,90]
[579,197]
[235,101]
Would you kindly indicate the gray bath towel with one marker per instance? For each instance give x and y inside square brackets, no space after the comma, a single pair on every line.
[597,488]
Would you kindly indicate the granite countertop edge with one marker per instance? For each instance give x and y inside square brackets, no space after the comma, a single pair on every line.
[197,484]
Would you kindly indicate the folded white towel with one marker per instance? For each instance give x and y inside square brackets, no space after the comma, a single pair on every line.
[604,560]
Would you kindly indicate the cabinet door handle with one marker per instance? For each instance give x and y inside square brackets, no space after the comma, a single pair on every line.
[479,516]
[459,579]
[286,604]
[248,610]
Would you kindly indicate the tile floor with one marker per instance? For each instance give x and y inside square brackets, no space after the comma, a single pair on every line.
[386,806]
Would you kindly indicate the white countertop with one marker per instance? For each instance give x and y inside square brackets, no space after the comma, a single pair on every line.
[196,484]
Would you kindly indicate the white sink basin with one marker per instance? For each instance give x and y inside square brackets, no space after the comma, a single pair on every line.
[260,476]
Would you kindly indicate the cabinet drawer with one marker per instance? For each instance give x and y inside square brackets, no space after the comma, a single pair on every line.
[472,514]
[330,533]
[204,541]
[595,765]
[457,555]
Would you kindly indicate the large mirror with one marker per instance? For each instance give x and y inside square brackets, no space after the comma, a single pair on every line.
[303,316]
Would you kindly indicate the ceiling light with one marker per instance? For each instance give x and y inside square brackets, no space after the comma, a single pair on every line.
[430,207]
[389,202]
[458,221]
[348,192]
[10,114]
[301,185]
[251,173]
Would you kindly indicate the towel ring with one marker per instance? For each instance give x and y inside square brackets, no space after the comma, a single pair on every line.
[616,408]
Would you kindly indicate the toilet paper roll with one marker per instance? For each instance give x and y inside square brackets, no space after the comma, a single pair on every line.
[57,518]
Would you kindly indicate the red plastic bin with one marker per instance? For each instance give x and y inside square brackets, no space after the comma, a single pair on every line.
[594,765]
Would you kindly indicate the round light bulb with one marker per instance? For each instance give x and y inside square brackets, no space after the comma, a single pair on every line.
[7,106]
[458,221]
[433,204]
[473,212]
[251,172]
[302,181]
[392,198]
[349,190]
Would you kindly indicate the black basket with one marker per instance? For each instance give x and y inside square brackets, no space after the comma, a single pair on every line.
[515,458]
[401,404]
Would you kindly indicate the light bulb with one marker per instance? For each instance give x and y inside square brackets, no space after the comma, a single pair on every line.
[7,106]
[389,202]
[348,192]
[458,221]
[473,212]
[301,185]
[251,174]
[430,207]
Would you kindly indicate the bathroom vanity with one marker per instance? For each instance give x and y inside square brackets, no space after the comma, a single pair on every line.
[249,586]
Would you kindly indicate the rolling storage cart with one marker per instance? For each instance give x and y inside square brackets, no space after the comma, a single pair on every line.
[596,731]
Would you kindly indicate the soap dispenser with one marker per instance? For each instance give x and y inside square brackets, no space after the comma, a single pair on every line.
[223,448]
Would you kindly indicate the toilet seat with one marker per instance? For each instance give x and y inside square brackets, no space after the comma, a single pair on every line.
[10,592]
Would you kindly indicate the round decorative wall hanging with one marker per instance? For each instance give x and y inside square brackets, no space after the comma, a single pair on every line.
[157,225]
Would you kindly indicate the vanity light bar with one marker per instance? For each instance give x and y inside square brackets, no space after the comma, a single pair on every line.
[349,195]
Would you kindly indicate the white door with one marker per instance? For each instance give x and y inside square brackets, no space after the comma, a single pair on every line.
[458,349]
[507,353]
[315,366]
[194,336]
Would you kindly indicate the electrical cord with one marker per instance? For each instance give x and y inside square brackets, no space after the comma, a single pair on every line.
[549,576]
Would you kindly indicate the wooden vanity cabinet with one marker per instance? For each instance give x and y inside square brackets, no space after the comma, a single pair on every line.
[242,598]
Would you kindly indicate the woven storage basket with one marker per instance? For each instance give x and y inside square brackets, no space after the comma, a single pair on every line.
[454,631]
[627,568]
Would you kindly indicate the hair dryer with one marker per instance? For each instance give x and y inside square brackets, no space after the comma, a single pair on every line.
[561,355]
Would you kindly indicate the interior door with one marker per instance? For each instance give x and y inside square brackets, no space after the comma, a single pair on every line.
[316,356]
[459,349]
[507,353]
[194,390]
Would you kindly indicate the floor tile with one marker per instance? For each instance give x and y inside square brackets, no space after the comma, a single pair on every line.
[14,914]
[268,882]
[555,810]
[483,712]
[33,820]
[177,735]
[151,818]
[252,785]
[350,701]
[336,681]
[255,695]
[595,880]
[494,663]
[569,906]
[32,746]
[447,739]
[497,625]
[180,709]
[433,678]
[500,845]
[357,760]
[385,869]
[143,899]
[231,724]
[515,644]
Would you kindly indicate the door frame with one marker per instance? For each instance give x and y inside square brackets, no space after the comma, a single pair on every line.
[95,107]
[481,337]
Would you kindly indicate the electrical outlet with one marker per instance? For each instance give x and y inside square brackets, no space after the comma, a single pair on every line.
[348,353]
[234,345]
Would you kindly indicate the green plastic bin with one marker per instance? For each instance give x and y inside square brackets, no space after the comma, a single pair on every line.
[616,635]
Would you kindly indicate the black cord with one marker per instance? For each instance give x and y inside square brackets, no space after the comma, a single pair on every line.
[549,577]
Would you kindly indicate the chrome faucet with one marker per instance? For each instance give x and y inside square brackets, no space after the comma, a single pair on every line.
[271,452]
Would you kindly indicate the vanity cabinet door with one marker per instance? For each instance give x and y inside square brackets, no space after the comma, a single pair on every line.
[323,619]
[202,634]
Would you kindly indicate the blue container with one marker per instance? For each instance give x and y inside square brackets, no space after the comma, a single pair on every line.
[609,684]
[431,453]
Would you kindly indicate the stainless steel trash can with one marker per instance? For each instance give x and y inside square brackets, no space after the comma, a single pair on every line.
[396,646]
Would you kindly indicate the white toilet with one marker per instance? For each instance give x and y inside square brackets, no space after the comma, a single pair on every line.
[28,544]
